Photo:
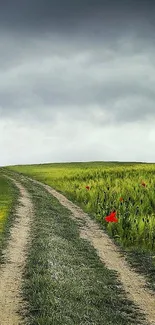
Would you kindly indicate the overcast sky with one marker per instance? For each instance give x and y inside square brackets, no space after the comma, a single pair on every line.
[77,81]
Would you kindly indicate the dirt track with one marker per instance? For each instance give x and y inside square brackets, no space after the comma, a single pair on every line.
[11,272]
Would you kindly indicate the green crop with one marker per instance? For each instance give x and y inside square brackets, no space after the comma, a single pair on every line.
[5,200]
[108,183]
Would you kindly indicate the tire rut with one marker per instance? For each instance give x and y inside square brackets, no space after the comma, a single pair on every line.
[11,272]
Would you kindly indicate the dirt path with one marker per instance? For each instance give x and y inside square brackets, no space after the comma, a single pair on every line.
[133,282]
[11,272]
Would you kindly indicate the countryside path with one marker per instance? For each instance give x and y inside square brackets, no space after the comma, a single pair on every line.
[133,283]
[11,272]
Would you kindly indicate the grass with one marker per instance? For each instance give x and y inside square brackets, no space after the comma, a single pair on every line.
[65,283]
[8,200]
[108,183]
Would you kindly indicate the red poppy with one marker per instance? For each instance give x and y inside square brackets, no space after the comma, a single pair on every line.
[121,199]
[111,217]
[87,187]
[143,184]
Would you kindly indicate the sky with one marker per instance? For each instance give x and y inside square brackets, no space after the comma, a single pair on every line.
[77,81]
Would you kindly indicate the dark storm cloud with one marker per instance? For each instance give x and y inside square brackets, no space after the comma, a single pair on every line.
[63,15]
[33,9]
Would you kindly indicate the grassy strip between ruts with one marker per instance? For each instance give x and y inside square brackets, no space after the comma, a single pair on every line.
[9,197]
[65,283]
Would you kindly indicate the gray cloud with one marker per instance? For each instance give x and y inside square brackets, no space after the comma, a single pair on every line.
[74,73]
[120,82]
[93,18]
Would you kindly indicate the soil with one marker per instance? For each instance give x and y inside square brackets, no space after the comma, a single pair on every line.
[11,271]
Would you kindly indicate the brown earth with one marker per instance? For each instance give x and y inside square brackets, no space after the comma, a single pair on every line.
[11,271]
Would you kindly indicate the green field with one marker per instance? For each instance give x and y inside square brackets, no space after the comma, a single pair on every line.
[108,182]
[8,199]
[5,201]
